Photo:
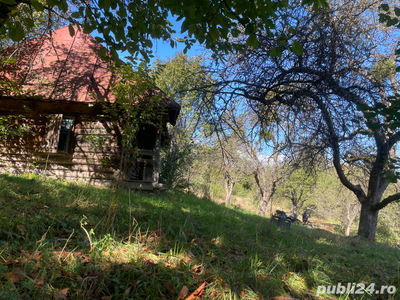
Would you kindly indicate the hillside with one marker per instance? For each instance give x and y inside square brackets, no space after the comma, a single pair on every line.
[65,241]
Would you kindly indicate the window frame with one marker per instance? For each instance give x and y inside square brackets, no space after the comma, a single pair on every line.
[68,132]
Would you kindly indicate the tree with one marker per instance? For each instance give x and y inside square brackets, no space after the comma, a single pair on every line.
[298,188]
[133,25]
[179,78]
[332,86]
[235,166]
[334,201]
[262,144]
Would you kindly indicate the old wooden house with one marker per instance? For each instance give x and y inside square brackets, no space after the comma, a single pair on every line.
[71,137]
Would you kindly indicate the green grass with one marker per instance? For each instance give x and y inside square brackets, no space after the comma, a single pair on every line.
[60,240]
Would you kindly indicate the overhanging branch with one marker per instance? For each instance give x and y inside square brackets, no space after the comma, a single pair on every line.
[386,201]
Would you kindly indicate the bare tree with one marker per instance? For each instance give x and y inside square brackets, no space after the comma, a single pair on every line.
[263,146]
[235,168]
[353,211]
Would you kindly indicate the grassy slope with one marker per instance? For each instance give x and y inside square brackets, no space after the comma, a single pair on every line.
[152,247]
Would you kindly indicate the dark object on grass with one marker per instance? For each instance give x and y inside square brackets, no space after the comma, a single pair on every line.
[281,214]
[292,217]
[306,216]
[280,219]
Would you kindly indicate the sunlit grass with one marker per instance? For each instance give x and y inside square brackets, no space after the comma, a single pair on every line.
[65,241]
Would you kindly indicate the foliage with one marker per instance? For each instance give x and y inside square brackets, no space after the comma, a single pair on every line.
[138,106]
[8,86]
[10,128]
[137,101]
[205,173]
[147,246]
[25,21]
[185,80]
[132,26]
[298,188]
[180,78]
[174,165]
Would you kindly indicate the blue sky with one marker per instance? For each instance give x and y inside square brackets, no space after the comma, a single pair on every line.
[162,50]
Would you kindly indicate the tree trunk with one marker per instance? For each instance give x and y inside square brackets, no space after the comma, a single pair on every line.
[229,189]
[229,184]
[352,212]
[351,221]
[349,227]
[266,194]
[263,205]
[368,221]
[295,209]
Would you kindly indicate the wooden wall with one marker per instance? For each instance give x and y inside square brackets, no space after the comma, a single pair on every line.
[93,153]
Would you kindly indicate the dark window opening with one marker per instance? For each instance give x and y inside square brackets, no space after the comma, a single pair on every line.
[65,134]
[142,171]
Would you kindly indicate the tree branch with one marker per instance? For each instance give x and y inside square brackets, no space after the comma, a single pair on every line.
[386,201]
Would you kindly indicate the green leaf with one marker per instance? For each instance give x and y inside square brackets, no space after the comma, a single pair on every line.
[185,26]
[391,177]
[385,7]
[114,54]
[62,5]
[397,11]
[282,41]
[9,2]
[392,22]
[374,126]
[362,107]
[324,3]
[383,18]
[191,12]
[252,41]
[275,52]
[102,52]
[369,115]
[37,5]
[235,32]
[17,32]
[214,33]
[71,30]
[29,23]
[76,15]
[101,4]
[297,49]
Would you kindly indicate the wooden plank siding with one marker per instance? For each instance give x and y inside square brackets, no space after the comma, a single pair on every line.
[36,151]
[93,154]
[85,160]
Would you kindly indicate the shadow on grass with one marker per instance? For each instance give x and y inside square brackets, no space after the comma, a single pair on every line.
[150,247]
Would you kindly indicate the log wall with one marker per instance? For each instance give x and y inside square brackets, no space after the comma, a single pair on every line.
[93,154]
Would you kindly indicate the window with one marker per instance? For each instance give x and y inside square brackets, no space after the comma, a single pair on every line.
[58,133]
[65,134]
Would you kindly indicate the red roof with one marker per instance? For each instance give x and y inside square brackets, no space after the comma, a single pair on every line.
[61,67]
